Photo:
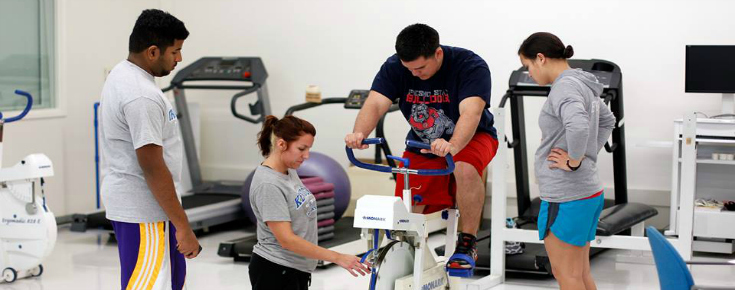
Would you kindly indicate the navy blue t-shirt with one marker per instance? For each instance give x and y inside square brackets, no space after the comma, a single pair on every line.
[431,106]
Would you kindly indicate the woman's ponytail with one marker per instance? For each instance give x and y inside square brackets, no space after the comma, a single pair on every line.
[264,136]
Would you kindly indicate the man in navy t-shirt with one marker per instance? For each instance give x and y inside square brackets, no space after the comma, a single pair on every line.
[444,93]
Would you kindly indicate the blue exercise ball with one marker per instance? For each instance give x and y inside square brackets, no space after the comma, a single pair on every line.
[321,165]
[246,198]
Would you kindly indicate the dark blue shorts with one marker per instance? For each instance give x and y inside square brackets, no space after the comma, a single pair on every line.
[574,222]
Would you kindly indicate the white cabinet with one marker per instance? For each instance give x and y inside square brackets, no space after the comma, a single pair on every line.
[713,231]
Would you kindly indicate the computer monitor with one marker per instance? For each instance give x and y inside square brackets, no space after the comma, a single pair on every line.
[711,69]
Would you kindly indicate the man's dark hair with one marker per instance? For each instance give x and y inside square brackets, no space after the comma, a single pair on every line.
[156,27]
[416,40]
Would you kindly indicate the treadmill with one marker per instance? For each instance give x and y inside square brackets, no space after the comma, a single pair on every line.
[346,237]
[209,203]
[618,216]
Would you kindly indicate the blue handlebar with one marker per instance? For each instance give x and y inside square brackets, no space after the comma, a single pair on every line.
[419,145]
[406,162]
[25,110]
[363,165]
[376,141]
[388,169]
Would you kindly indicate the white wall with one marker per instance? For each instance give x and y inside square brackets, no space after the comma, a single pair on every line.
[340,45]
[92,37]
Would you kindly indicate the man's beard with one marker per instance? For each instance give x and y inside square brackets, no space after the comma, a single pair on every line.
[161,71]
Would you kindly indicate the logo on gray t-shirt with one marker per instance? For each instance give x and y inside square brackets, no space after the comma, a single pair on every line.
[301,195]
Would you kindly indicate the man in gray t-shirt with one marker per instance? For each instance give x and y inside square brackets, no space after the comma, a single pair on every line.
[142,157]
[287,200]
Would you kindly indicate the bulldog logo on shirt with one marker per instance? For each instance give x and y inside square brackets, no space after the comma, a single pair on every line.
[429,123]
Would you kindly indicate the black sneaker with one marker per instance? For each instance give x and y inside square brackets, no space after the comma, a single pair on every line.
[466,248]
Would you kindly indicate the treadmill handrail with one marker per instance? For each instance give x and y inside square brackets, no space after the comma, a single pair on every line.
[217,87]
[505,97]
[181,85]
[308,105]
[233,103]
[246,90]
[607,97]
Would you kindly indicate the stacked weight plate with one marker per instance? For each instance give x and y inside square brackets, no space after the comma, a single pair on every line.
[324,193]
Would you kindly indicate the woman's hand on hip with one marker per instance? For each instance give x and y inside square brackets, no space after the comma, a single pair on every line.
[560,159]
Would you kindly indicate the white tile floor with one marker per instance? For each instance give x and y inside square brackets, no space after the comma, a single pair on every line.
[86,261]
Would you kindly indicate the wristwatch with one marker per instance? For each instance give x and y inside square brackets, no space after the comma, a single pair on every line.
[574,168]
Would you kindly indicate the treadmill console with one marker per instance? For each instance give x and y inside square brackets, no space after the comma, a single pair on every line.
[602,76]
[223,68]
[607,73]
[242,69]
[356,99]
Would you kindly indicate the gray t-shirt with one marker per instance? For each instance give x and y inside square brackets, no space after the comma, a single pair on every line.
[134,113]
[576,120]
[275,196]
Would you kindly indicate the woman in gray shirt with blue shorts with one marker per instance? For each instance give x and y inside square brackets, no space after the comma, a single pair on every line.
[575,124]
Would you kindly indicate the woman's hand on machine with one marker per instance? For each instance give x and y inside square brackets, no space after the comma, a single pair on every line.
[354,141]
[352,264]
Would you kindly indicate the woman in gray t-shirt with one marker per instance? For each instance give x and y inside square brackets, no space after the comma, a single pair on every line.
[287,251]
[575,124]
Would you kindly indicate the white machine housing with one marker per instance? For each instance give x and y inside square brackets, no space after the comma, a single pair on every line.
[27,226]
[385,213]
[389,213]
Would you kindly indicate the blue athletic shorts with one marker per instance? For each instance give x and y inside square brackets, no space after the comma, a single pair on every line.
[574,222]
